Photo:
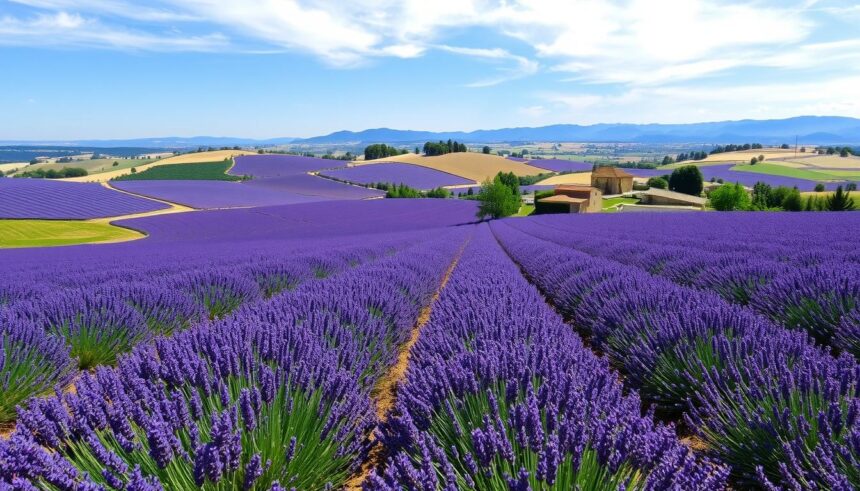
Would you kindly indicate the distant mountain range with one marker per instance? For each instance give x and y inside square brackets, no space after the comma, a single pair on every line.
[828,130]
[808,129]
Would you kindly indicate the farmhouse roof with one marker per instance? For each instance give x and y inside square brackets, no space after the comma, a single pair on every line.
[663,193]
[609,172]
[560,198]
[574,187]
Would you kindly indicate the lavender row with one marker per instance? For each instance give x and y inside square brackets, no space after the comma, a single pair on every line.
[44,198]
[275,396]
[501,394]
[780,411]
[92,319]
[813,287]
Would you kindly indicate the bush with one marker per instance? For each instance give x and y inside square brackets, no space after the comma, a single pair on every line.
[730,197]
[819,188]
[687,179]
[497,200]
[658,182]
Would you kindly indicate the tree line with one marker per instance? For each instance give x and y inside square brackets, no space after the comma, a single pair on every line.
[381,150]
[403,191]
[432,149]
[54,173]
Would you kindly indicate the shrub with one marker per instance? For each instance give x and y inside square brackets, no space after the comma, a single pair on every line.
[497,200]
[658,182]
[730,197]
[819,188]
[687,179]
[32,362]
[97,328]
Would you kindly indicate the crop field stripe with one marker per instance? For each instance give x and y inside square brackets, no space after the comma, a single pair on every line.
[385,392]
[51,233]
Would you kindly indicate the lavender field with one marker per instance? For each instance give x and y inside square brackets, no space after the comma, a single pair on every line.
[43,198]
[398,344]
[414,176]
[276,180]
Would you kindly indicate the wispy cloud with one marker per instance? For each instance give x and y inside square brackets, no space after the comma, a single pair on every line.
[522,66]
[73,30]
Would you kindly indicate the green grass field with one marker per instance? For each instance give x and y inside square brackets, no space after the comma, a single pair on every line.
[611,204]
[209,171]
[47,233]
[810,175]
[525,210]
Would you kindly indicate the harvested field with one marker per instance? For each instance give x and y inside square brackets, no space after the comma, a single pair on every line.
[577,178]
[470,165]
[189,158]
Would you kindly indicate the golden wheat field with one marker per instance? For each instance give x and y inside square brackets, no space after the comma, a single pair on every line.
[469,165]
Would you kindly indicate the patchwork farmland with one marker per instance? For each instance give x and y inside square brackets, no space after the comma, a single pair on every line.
[276,326]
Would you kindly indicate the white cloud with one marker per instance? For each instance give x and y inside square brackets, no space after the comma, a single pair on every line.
[687,104]
[627,42]
[64,30]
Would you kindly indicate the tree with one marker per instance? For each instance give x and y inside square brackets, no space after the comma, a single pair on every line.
[470,192]
[133,170]
[510,180]
[819,188]
[753,161]
[845,152]
[851,186]
[497,200]
[486,150]
[115,163]
[793,201]
[687,179]
[657,182]
[784,146]
[730,197]
[840,201]
[761,158]
[667,160]
[760,194]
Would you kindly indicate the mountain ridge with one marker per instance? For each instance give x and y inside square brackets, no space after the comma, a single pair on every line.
[825,130]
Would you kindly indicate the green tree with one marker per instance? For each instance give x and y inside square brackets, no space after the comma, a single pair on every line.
[510,180]
[840,201]
[497,200]
[486,150]
[845,152]
[793,201]
[819,188]
[753,161]
[687,179]
[658,182]
[730,197]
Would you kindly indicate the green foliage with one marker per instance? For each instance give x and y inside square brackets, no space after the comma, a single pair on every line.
[736,148]
[510,180]
[793,201]
[497,200]
[441,148]
[687,179]
[840,201]
[54,173]
[381,150]
[403,191]
[115,163]
[469,413]
[819,188]
[730,197]
[658,182]
[210,171]
[485,150]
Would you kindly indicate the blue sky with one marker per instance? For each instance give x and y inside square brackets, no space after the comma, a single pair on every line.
[77,69]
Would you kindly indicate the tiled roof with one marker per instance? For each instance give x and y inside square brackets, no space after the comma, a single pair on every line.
[609,172]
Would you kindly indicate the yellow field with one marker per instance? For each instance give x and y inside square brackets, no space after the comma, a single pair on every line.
[4,168]
[829,162]
[48,233]
[470,165]
[577,178]
[188,158]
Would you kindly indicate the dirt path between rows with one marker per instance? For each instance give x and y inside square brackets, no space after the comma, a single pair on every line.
[385,391]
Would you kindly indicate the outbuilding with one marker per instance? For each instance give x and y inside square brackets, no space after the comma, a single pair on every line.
[611,180]
[578,199]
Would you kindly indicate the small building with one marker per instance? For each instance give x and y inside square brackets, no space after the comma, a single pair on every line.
[611,180]
[665,197]
[578,199]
